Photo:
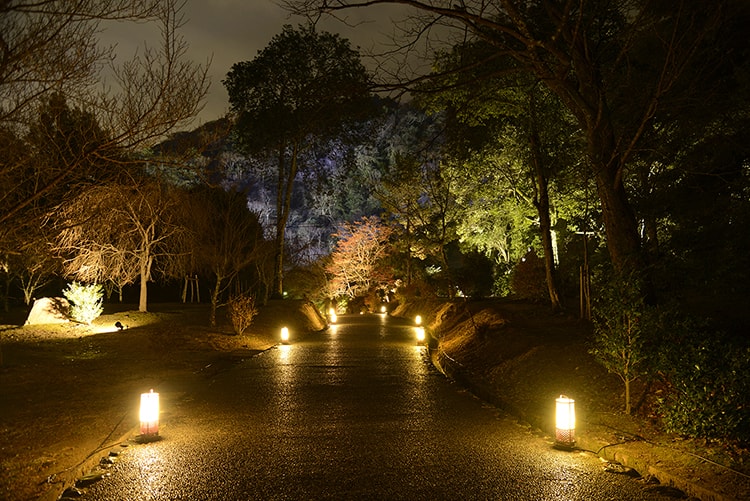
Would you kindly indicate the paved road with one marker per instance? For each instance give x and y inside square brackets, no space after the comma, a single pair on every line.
[356,412]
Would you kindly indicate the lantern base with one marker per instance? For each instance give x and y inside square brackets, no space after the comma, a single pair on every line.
[145,438]
[565,446]
[565,439]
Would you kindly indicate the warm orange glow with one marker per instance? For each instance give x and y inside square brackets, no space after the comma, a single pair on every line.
[418,320]
[420,334]
[565,422]
[284,335]
[382,309]
[333,317]
[149,413]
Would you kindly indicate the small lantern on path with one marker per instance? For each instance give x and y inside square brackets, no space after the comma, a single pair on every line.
[565,423]
[420,334]
[149,414]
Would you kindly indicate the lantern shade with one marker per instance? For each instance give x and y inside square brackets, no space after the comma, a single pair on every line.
[149,413]
[284,334]
[565,422]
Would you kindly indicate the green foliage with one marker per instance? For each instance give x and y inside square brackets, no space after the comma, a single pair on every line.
[501,287]
[241,310]
[621,328]
[708,376]
[86,301]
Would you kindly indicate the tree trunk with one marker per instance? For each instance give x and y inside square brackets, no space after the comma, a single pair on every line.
[541,202]
[545,226]
[283,206]
[215,301]
[588,104]
[145,273]
[620,224]
[627,397]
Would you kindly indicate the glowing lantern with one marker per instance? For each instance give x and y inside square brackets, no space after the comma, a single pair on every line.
[149,413]
[565,423]
[382,309]
[418,320]
[284,335]
[332,316]
[420,335]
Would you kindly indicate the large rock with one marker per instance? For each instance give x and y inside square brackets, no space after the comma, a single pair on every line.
[49,310]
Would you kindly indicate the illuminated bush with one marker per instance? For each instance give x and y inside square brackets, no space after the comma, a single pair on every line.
[241,310]
[86,301]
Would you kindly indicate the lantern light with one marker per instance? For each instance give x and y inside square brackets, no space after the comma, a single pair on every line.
[333,317]
[382,309]
[565,423]
[285,335]
[149,414]
[420,335]
[418,320]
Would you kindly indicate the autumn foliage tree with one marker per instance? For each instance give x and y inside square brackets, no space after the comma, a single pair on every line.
[356,264]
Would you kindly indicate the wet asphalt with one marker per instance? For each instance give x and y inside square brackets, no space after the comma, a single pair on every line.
[355,412]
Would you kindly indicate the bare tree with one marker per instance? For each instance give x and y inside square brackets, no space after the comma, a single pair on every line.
[51,48]
[226,239]
[118,232]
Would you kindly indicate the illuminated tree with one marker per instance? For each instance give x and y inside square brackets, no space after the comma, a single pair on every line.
[417,188]
[356,263]
[509,139]
[301,89]
[121,232]
[621,69]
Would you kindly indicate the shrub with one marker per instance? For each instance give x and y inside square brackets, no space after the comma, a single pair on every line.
[621,326]
[241,310]
[86,301]
[708,376]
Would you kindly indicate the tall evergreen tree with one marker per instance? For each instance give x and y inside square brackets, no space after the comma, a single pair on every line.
[303,87]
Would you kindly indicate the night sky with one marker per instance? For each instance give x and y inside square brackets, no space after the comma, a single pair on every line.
[229,31]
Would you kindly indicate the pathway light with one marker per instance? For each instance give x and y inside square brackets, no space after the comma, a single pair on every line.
[285,335]
[420,334]
[149,414]
[565,422]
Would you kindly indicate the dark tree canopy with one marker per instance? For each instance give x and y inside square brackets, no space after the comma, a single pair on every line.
[303,83]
